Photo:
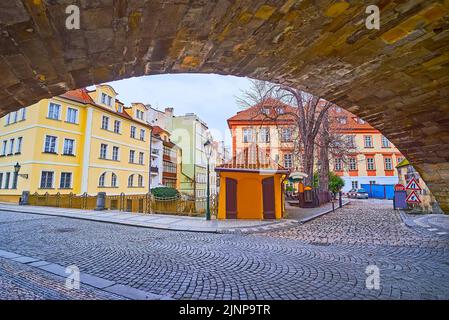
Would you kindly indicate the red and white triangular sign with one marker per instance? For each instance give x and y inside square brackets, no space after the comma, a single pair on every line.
[413,185]
[413,198]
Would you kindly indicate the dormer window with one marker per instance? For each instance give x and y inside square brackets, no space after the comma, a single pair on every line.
[265,110]
[139,114]
[120,109]
[279,110]
[342,120]
[106,99]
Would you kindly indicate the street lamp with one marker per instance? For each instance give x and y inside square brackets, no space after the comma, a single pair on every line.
[17,167]
[208,151]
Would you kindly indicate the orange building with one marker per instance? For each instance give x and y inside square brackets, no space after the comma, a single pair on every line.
[272,127]
[251,186]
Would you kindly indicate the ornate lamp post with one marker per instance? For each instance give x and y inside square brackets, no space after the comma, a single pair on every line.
[17,167]
[208,151]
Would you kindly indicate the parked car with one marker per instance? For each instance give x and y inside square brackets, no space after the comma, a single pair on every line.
[358,194]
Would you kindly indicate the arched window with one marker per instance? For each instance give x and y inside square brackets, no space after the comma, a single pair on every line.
[140,180]
[114,180]
[101,180]
[130,180]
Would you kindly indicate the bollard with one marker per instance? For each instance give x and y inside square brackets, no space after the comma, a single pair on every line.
[101,201]
[340,201]
[25,198]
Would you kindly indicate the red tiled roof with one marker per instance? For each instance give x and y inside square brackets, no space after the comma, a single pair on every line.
[157,130]
[254,113]
[79,95]
[252,158]
[353,122]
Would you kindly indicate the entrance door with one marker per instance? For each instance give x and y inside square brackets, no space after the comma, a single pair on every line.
[231,198]
[268,198]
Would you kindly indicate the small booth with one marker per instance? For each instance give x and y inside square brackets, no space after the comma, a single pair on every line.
[251,187]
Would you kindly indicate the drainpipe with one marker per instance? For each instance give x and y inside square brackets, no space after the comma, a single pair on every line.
[149,162]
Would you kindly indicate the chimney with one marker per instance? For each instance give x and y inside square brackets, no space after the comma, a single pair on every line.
[169,112]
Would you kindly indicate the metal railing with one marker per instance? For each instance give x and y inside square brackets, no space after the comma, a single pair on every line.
[139,203]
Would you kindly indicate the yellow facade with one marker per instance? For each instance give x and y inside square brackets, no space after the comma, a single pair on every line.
[61,149]
[249,194]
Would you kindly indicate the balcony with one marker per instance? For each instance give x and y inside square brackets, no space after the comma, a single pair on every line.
[155,152]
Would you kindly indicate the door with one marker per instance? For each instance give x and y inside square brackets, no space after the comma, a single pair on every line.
[268,198]
[231,198]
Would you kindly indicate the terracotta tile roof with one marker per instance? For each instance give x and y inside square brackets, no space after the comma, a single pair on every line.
[353,123]
[252,158]
[255,113]
[79,95]
[157,130]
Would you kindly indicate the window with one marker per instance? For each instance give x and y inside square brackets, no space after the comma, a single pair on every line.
[117,126]
[388,164]
[7,178]
[115,152]
[337,109]
[288,160]
[352,164]
[265,111]
[141,157]
[119,109]
[16,116]
[338,166]
[264,135]
[131,156]
[368,141]
[133,132]
[350,140]
[54,111]
[69,146]
[66,180]
[140,180]
[247,135]
[47,179]
[19,145]
[370,164]
[103,151]
[106,99]
[355,184]
[280,110]
[286,135]
[139,114]
[385,142]
[72,115]
[8,118]
[113,180]
[142,134]
[11,146]
[130,180]
[5,144]
[101,179]
[400,159]
[23,113]
[170,167]
[1,180]
[105,123]
[50,144]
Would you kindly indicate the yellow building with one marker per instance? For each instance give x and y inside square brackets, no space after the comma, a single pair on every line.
[81,141]
[251,187]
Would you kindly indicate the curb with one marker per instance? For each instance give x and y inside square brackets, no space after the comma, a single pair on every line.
[304,220]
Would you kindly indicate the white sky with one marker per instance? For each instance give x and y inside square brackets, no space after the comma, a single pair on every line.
[210,96]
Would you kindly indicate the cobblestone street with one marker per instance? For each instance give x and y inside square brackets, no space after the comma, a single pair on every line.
[322,259]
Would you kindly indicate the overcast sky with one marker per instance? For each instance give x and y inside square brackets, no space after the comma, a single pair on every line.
[210,96]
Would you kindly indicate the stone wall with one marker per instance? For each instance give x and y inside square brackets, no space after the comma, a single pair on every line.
[396,78]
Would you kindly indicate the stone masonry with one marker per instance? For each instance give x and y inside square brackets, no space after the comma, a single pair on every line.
[396,78]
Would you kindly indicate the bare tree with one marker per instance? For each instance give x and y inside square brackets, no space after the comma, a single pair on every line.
[309,114]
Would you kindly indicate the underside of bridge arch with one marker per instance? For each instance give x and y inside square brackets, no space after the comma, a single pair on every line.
[396,78]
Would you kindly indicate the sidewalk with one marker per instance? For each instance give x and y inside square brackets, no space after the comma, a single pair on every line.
[303,215]
[436,223]
[156,221]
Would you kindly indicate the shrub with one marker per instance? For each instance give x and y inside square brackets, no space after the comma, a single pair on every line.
[164,192]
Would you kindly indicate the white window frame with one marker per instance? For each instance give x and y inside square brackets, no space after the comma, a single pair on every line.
[19,145]
[73,147]
[115,155]
[52,180]
[288,157]
[71,180]
[365,140]
[103,118]
[114,184]
[368,164]
[338,165]
[76,121]
[117,125]
[50,115]
[142,134]
[132,132]
[390,162]
[4,147]
[352,161]
[385,142]
[132,152]
[141,157]
[23,114]
[102,178]
[248,135]
[140,180]
[56,143]
[106,151]
[11,146]
[131,179]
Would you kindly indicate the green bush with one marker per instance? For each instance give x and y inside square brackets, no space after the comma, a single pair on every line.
[164,192]
[336,183]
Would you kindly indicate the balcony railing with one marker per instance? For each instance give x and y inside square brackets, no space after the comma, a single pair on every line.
[154,169]
[155,152]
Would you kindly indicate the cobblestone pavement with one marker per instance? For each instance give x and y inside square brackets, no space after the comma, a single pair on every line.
[323,259]
[20,282]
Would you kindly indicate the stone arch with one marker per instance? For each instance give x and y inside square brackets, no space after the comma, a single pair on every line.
[395,78]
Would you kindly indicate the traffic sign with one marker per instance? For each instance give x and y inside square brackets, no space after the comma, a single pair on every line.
[413,198]
[413,185]
[399,187]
